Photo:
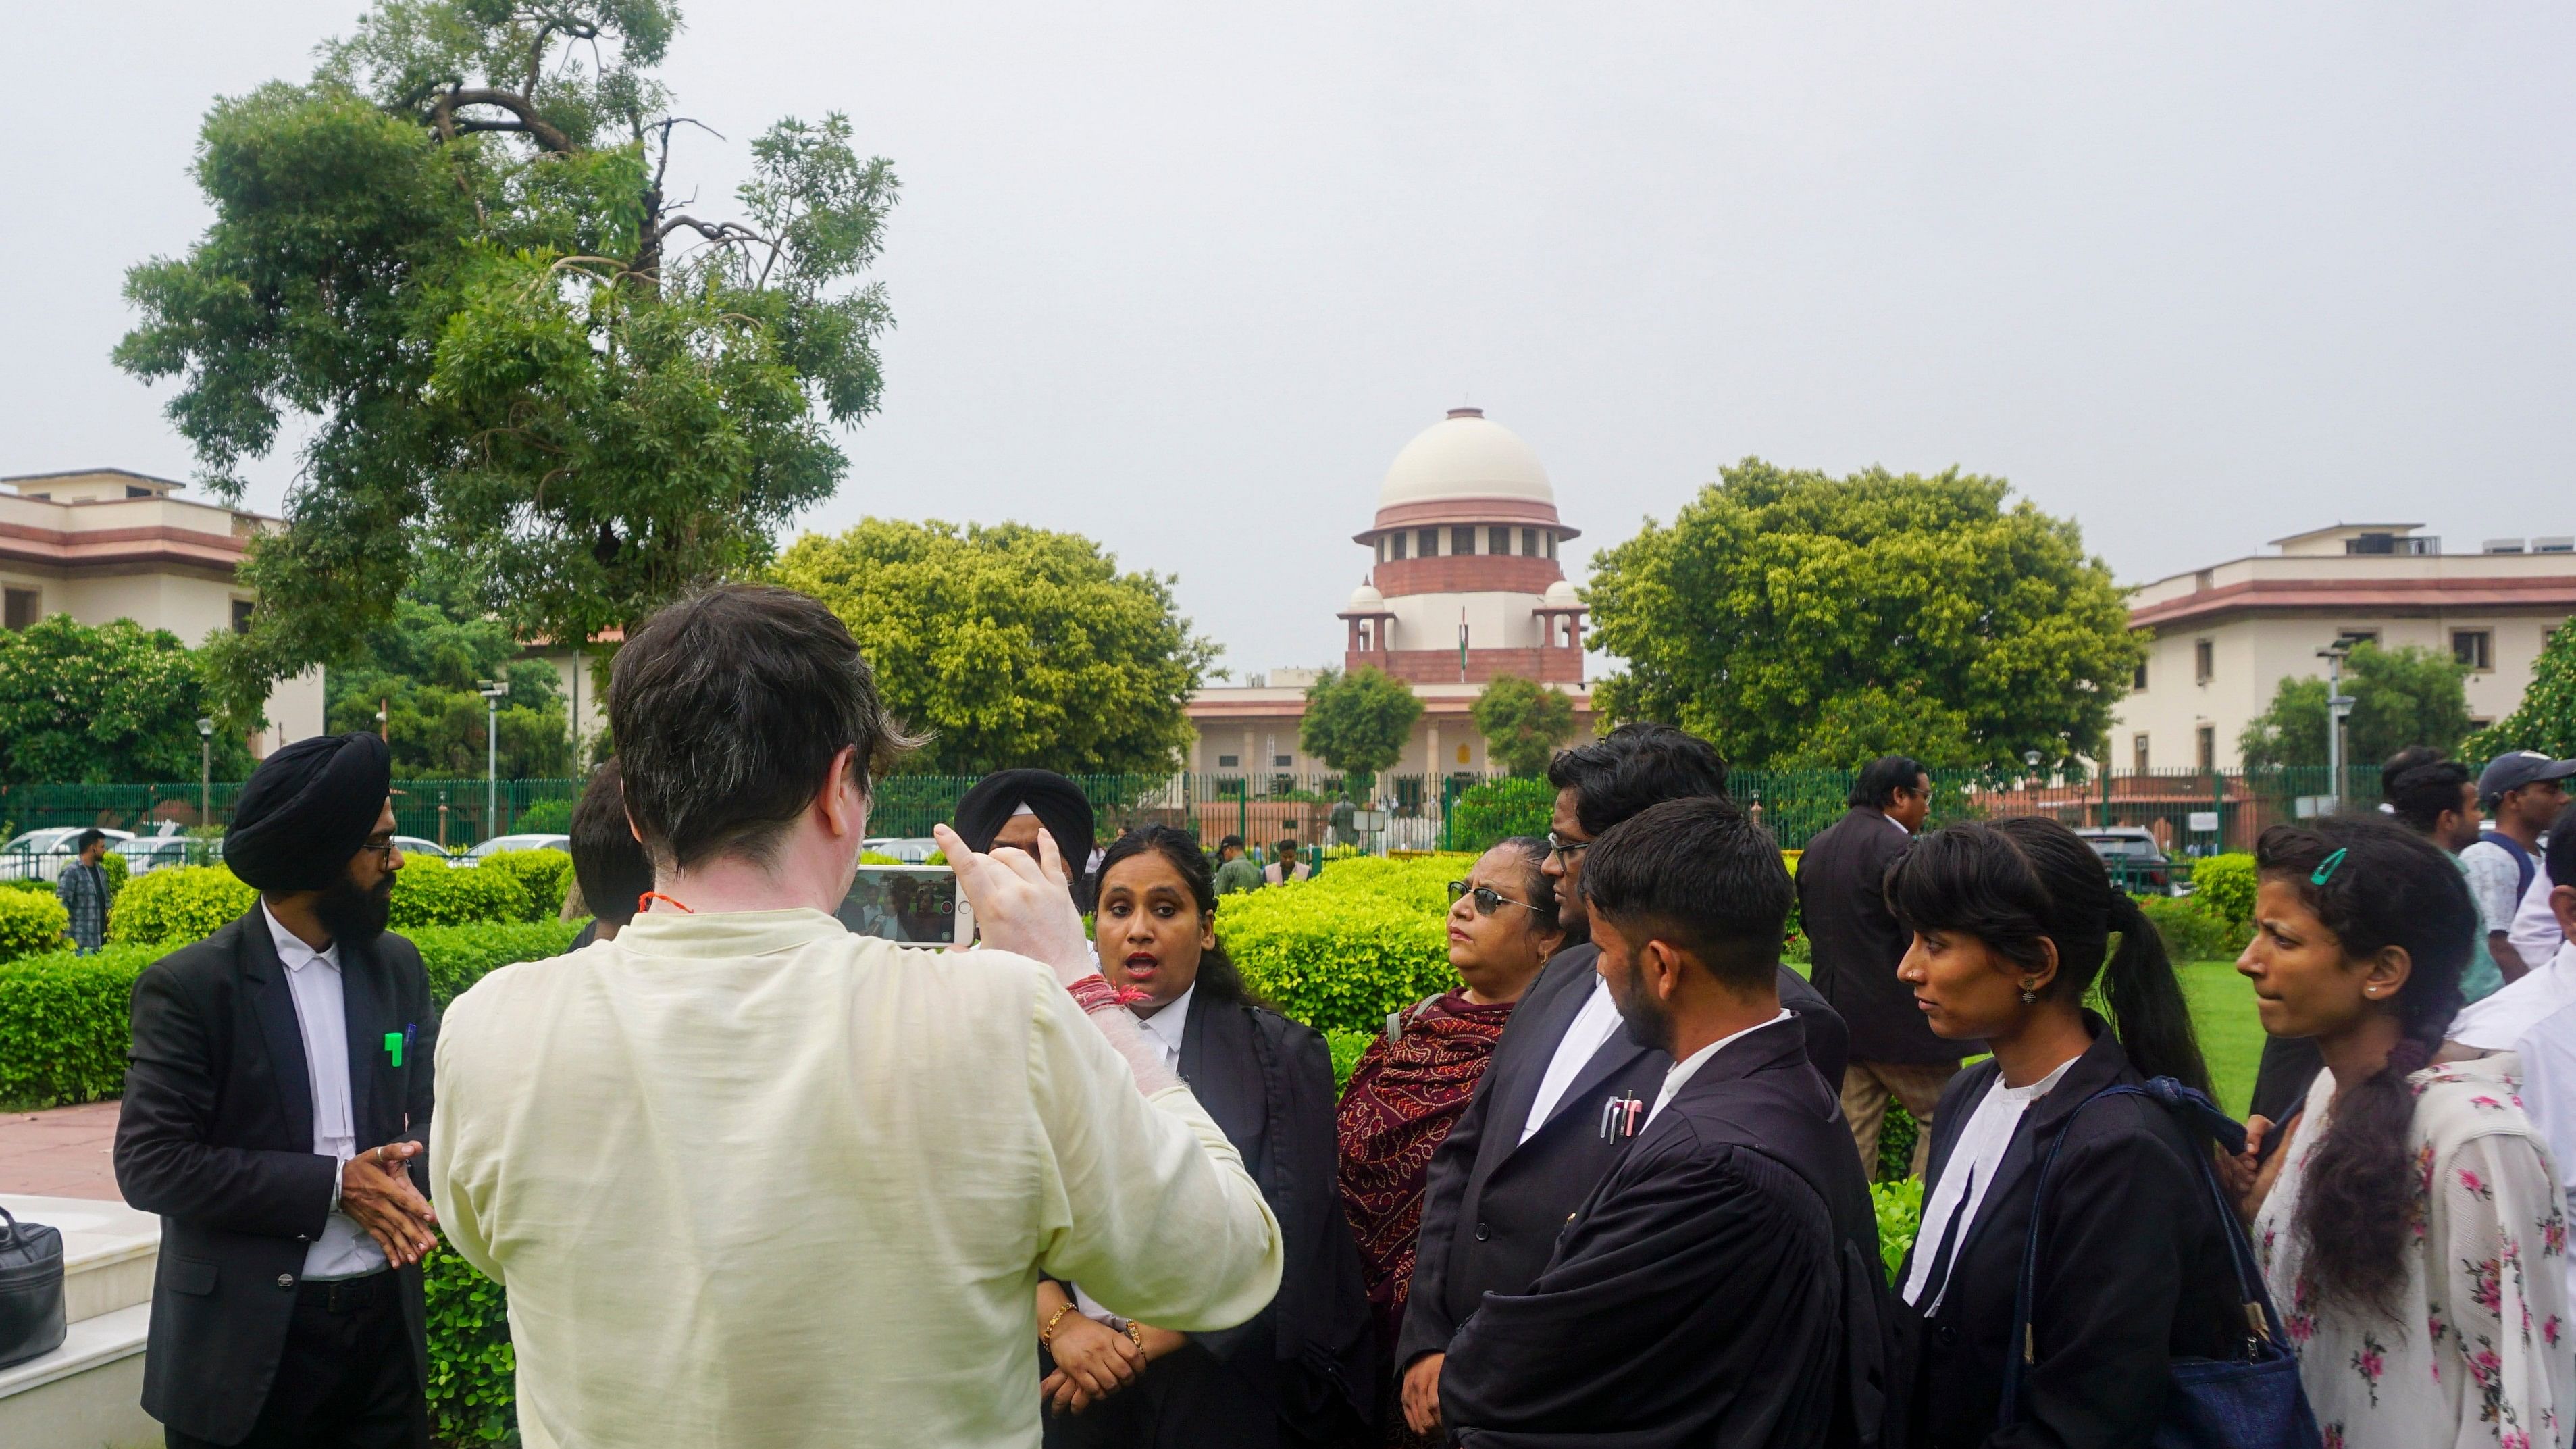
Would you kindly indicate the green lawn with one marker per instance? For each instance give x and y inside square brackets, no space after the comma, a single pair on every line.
[2231,1037]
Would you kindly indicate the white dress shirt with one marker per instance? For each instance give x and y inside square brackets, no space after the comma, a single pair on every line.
[321,1017]
[2548,1051]
[1678,1075]
[2535,935]
[1970,1171]
[2495,1023]
[1164,1029]
[1590,1028]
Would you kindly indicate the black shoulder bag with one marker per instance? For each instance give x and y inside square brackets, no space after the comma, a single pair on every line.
[31,1290]
[2251,1401]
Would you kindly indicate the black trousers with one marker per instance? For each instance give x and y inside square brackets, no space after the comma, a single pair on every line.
[345,1379]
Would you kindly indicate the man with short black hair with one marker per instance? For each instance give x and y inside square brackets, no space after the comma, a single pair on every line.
[1286,867]
[2522,791]
[609,866]
[1722,1284]
[82,888]
[1236,872]
[1535,1136]
[752,1179]
[1855,946]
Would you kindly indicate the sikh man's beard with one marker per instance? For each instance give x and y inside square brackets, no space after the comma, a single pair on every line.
[1641,1015]
[352,912]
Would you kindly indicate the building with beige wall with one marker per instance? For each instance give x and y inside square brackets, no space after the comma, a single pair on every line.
[2227,635]
[103,544]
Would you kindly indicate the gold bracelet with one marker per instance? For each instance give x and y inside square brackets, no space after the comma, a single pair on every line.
[1046,1335]
[1135,1337]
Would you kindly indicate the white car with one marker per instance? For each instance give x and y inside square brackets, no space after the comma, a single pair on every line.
[500,843]
[160,852]
[910,849]
[419,848]
[42,854]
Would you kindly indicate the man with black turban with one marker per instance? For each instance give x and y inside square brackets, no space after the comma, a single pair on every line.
[274,1116]
[1009,807]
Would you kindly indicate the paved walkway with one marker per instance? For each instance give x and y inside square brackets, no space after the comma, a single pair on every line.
[63,1152]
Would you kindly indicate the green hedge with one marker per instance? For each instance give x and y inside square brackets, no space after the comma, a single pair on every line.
[30,923]
[544,874]
[179,903]
[1348,946]
[2195,930]
[436,895]
[2225,883]
[1498,809]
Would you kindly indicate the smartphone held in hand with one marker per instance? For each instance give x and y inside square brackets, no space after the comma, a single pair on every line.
[911,905]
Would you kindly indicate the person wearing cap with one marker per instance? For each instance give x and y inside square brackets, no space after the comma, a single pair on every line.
[275,1108]
[2521,792]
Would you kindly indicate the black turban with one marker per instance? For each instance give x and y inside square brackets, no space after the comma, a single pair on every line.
[1057,802]
[306,810]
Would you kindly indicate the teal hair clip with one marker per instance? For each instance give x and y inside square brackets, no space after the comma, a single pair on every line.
[2325,869]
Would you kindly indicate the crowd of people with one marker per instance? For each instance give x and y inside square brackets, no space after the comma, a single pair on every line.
[753,1177]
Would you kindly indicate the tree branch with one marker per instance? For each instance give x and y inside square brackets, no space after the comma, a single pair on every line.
[536,125]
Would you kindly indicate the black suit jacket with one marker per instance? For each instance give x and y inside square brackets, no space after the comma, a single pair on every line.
[216,1136]
[1856,942]
[2133,1269]
[1721,1286]
[1492,1204]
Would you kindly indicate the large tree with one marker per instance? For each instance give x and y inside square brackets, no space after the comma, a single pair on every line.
[455,257]
[1523,723]
[2400,697]
[1358,723]
[1795,619]
[1012,645]
[2545,720]
[111,704]
[423,669]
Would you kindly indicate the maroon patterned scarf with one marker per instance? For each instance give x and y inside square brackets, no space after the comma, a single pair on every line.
[1403,1098]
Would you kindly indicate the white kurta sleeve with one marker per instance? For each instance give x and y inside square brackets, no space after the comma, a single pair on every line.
[1145,1204]
[2504,1224]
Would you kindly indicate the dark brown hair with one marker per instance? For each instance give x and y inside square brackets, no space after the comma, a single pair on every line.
[2382,886]
[607,860]
[727,708]
[2016,882]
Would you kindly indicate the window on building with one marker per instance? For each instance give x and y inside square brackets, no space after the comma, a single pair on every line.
[25,607]
[1498,540]
[1279,762]
[241,615]
[1395,545]
[1427,542]
[2474,648]
[1228,762]
[2204,661]
[2138,752]
[2138,678]
[1529,543]
[1462,538]
[2209,747]
[2356,636]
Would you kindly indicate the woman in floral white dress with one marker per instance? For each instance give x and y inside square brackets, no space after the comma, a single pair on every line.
[2415,1237]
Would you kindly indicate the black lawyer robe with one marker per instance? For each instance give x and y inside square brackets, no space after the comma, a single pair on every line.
[1493,1203]
[215,1134]
[1303,1370]
[1721,1286]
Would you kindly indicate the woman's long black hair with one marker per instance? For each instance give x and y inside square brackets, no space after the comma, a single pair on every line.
[1218,979]
[2390,887]
[2014,882]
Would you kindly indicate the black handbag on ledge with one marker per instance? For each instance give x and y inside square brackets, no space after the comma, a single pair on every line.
[31,1290]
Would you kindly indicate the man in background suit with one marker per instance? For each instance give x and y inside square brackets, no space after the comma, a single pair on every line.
[274,1111]
[1722,1285]
[1842,904]
[1566,1089]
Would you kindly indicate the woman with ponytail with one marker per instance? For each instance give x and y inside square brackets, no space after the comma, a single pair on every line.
[2415,1238]
[2012,924]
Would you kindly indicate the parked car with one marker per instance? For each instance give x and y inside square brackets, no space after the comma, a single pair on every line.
[160,852]
[416,847]
[42,854]
[2137,863]
[500,843]
[910,849]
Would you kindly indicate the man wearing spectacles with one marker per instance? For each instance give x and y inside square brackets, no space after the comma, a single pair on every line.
[274,1115]
[1554,1109]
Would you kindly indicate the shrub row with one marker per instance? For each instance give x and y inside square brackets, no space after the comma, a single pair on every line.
[544,874]
[1348,946]
[2195,930]
[190,903]
[30,923]
[1498,809]
[2225,883]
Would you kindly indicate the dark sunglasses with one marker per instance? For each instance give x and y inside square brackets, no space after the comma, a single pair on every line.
[1488,899]
[1559,845]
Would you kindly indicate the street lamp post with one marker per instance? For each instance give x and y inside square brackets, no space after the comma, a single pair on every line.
[205,771]
[2338,709]
[493,692]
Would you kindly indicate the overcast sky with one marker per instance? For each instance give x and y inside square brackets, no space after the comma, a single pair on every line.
[1185,277]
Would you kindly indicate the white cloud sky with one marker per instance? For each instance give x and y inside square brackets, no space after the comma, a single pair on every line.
[1186,277]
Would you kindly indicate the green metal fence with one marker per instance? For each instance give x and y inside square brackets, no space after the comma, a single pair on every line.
[2185,813]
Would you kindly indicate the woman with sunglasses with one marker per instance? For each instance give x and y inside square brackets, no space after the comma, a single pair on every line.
[1412,1083]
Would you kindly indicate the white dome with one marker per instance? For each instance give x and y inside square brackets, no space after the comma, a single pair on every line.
[1465,456]
[1366,597]
[1561,595]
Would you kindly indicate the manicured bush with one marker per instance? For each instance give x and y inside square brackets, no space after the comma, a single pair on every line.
[544,874]
[472,1368]
[545,817]
[1346,1048]
[2194,930]
[2225,883]
[33,885]
[434,895]
[1900,1216]
[63,1025]
[30,923]
[458,956]
[1498,809]
[1348,946]
[182,903]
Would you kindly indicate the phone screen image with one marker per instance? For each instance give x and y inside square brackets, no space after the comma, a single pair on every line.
[912,905]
